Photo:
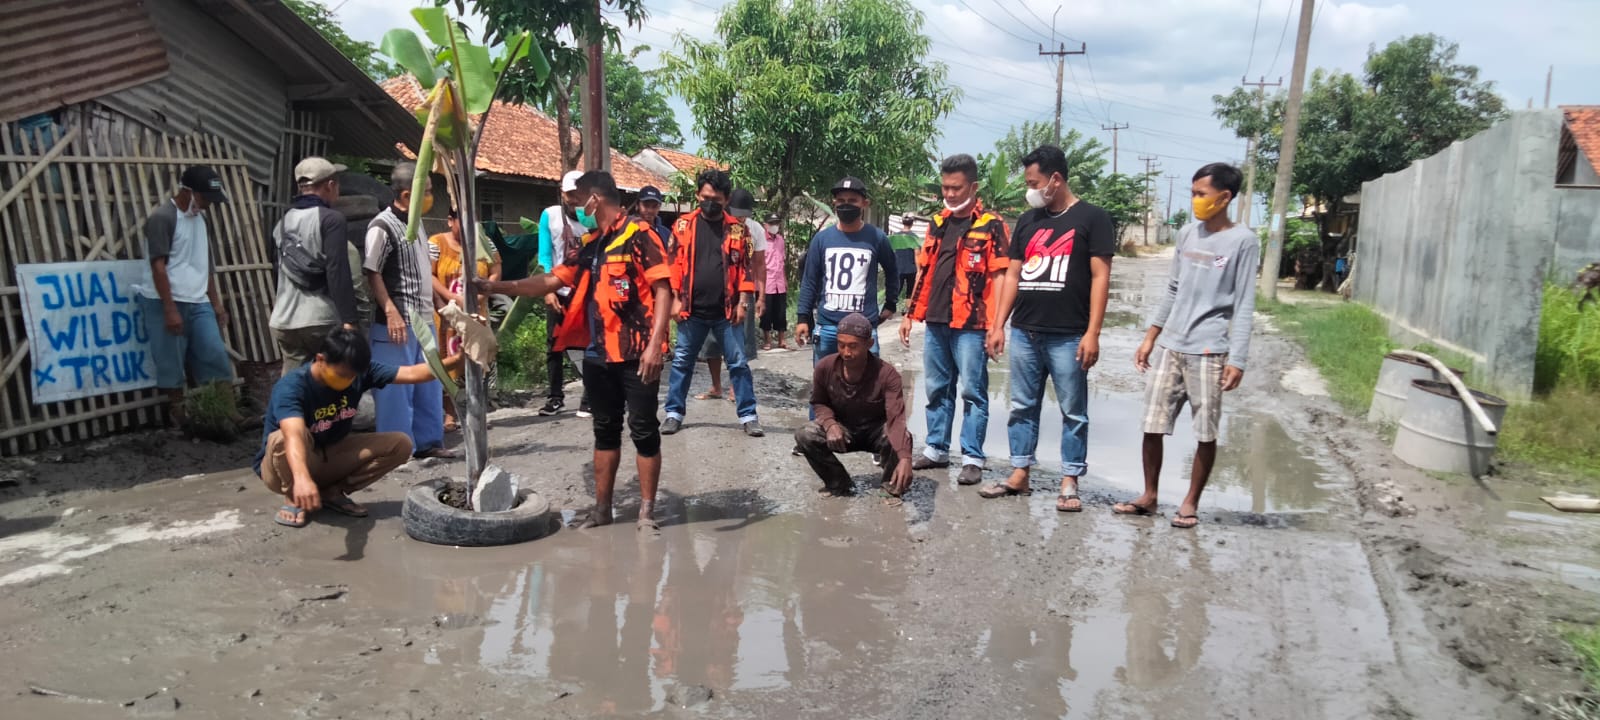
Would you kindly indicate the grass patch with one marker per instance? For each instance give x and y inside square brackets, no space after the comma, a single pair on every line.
[1587,644]
[210,409]
[1555,432]
[522,355]
[1346,341]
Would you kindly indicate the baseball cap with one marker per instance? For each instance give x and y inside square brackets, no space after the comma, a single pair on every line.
[772,217]
[650,193]
[569,181]
[851,182]
[204,180]
[855,325]
[741,204]
[313,170]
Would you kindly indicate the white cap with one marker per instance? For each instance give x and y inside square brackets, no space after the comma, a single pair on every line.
[569,181]
[313,170]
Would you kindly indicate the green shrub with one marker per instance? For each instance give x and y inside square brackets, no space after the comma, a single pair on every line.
[209,411]
[1569,343]
[522,353]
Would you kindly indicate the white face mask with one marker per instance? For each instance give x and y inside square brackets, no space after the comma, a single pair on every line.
[1036,198]
[963,207]
[192,210]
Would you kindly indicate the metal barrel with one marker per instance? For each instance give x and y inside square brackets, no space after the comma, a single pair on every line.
[1394,382]
[1437,431]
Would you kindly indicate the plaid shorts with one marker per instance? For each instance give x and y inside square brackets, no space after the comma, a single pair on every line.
[1176,378]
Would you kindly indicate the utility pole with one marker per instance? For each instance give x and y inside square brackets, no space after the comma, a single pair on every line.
[1170,180]
[1291,135]
[1149,172]
[596,134]
[1114,128]
[1250,150]
[1061,54]
[1549,76]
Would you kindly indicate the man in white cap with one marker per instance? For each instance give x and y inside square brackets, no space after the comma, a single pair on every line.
[561,229]
[316,292]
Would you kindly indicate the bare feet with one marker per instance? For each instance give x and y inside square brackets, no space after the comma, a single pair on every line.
[596,517]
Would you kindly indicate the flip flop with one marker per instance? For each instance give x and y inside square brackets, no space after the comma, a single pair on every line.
[1000,490]
[298,513]
[1189,521]
[648,526]
[708,396]
[343,505]
[436,452]
[1061,501]
[1128,508]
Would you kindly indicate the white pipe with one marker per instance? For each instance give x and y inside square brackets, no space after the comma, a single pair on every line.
[1455,382]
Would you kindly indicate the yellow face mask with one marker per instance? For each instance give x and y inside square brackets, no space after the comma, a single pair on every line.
[335,382]
[1207,208]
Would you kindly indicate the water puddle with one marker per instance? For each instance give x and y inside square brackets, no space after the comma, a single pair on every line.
[1260,468]
[1511,513]
[734,599]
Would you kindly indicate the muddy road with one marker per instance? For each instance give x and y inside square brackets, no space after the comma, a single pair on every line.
[143,577]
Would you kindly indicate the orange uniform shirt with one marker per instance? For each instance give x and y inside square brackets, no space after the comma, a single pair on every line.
[613,306]
[983,250]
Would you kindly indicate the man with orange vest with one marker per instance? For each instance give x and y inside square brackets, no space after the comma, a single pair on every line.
[961,265]
[711,274]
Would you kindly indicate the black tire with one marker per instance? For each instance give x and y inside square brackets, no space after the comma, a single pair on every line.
[431,521]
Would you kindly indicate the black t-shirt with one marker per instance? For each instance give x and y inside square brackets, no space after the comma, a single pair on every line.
[707,301]
[1053,294]
[942,283]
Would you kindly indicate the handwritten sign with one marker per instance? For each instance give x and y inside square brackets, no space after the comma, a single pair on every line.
[85,330]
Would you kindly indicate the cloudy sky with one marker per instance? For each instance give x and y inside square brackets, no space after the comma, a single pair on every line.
[1154,64]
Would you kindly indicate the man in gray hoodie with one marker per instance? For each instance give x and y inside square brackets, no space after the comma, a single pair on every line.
[316,292]
[1203,329]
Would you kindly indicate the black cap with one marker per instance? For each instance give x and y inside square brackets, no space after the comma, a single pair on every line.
[204,180]
[741,204]
[850,182]
[650,193]
[772,217]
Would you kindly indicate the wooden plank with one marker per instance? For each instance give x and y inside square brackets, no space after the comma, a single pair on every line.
[178,160]
[21,246]
[18,185]
[46,427]
[62,226]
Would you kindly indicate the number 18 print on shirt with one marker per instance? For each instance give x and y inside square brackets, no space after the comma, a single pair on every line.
[845,287]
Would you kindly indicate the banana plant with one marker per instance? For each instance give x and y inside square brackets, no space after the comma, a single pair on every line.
[460,79]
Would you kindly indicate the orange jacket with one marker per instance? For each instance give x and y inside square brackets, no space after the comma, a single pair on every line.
[983,251]
[735,260]
[629,258]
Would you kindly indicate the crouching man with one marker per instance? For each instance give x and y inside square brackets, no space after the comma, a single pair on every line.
[860,407]
[307,453]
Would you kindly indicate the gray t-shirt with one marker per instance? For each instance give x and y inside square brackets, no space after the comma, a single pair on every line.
[1210,298]
[321,231]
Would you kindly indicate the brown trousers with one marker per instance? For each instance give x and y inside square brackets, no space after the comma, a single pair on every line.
[351,464]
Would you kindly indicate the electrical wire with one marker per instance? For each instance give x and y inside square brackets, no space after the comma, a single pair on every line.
[1020,21]
[1254,30]
[992,23]
[1281,37]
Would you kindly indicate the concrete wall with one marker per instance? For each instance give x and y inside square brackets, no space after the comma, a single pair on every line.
[1577,232]
[1454,249]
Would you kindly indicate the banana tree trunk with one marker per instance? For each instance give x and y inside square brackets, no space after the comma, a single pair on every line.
[473,406]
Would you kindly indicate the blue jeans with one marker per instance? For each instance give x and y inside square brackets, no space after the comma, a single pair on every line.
[691,335]
[945,354]
[200,348]
[416,410]
[825,342]
[1033,356]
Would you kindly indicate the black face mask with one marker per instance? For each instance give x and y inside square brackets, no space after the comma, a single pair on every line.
[711,209]
[848,214]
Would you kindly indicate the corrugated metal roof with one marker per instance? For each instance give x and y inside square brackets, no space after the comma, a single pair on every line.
[59,52]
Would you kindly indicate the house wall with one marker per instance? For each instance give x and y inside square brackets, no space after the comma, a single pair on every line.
[1456,247]
[1577,241]
[217,84]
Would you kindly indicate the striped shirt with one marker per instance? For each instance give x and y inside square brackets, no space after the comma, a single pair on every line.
[406,269]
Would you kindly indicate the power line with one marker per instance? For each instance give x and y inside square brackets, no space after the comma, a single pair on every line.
[1035,15]
[1254,30]
[992,23]
[1287,15]
[1096,85]
[1020,21]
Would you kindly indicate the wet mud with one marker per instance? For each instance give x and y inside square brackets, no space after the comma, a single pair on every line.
[144,578]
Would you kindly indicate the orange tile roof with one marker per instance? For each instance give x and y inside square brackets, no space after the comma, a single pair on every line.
[686,163]
[522,141]
[1583,121]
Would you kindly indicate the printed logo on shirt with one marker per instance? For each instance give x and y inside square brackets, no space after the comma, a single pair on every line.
[1047,260]
[845,282]
[326,416]
[1221,262]
[1205,260]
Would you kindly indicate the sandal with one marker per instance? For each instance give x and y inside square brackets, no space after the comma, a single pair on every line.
[708,396]
[590,519]
[1000,490]
[441,452]
[1067,497]
[296,517]
[1185,522]
[1128,508]
[767,347]
[648,526]
[343,505]
[450,425]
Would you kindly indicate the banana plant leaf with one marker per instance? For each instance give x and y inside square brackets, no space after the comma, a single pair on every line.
[406,49]
[531,227]
[423,329]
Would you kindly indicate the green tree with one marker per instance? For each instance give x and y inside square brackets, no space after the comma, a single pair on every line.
[637,103]
[1412,101]
[364,54]
[561,23]
[795,94]
[1123,197]
[1086,157]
